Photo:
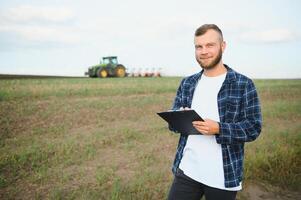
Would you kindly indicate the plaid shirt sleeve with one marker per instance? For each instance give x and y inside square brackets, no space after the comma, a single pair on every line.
[178,102]
[248,127]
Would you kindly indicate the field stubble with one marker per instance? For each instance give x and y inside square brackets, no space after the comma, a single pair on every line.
[101,139]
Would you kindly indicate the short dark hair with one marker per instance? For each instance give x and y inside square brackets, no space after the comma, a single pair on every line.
[204,28]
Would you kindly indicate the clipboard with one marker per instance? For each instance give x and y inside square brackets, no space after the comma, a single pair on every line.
[181,120]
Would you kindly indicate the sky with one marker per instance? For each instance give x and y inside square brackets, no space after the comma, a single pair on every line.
[65,37]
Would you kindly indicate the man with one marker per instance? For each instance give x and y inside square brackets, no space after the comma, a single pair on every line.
[211,164]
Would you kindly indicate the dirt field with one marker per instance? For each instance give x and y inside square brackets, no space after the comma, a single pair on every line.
[79,138]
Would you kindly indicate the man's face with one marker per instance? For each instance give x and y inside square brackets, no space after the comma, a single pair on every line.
[209,49]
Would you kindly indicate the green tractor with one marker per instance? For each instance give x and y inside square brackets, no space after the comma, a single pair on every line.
[108,67]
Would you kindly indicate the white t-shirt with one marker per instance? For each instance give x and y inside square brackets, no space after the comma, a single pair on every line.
[202,156]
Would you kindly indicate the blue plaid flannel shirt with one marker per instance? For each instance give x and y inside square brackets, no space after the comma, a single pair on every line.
[240,120]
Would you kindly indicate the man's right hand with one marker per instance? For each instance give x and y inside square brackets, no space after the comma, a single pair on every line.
[186,108]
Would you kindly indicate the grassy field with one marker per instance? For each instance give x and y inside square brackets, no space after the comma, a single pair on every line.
[84,138]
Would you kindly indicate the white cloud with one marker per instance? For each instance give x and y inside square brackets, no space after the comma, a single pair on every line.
[43,34]
[27,13]
[31,25]
[269,36]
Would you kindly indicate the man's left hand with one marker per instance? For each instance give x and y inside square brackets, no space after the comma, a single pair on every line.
[207,127]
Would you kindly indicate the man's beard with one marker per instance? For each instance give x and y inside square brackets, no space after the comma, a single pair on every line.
[213,63]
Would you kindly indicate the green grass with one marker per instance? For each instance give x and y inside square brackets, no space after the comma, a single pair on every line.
[101,139]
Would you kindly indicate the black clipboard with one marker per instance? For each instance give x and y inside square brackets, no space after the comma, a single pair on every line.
[181,120]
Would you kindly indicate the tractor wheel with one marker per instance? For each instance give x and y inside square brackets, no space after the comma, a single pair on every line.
[120,71]
[102,73]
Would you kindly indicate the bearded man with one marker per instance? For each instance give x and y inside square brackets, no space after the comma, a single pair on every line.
[211,164]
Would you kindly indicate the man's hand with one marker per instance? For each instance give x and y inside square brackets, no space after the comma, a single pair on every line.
[186,108]
[208,127]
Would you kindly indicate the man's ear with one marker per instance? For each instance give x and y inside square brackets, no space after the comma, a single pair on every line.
[223,45]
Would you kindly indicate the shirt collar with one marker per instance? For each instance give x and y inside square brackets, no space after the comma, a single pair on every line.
[230,77]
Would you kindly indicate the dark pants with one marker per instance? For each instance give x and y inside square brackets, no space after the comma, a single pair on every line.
[184,188]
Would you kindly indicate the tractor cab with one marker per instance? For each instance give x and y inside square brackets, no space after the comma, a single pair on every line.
[110,60]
